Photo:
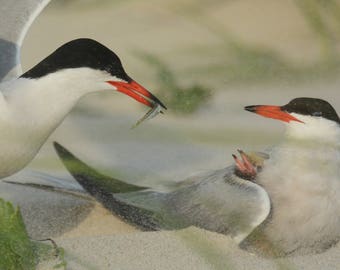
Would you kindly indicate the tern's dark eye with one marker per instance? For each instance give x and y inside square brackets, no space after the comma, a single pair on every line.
[317,114]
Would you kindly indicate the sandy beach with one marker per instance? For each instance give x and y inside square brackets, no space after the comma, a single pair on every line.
[168,148]
[188,249]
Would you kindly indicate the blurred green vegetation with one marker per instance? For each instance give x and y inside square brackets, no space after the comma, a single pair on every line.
[17,251]
[179,99]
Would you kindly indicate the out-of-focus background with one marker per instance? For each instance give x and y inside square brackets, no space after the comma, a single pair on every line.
[206,60]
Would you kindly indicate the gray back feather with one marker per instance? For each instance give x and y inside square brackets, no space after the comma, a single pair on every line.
[16,18]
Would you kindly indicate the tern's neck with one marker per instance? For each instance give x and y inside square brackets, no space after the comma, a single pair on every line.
[310,148]
[310,153]
[44,102]
[315,131]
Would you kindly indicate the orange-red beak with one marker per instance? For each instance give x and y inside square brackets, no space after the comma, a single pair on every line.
[274,112]
[137,92]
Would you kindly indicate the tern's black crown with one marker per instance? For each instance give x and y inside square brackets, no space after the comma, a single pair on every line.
[78,53]
[312,107]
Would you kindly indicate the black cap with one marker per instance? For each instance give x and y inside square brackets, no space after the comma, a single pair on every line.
[83,52]
[313,107]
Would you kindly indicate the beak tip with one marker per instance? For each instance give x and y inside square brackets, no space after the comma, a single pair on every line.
[163,106]
[251,108]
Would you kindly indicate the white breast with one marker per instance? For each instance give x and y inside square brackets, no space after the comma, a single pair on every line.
[302,179]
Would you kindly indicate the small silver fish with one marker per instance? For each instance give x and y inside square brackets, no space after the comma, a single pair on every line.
[150,114]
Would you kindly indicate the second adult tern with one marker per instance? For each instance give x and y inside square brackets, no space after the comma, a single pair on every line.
[290,206]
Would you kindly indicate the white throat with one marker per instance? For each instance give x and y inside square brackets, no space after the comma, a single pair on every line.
[316,130]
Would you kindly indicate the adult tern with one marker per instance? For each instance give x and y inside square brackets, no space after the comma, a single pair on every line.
[34,103]
[286,205]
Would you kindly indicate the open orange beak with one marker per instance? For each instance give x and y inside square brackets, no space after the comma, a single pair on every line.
[274,112]
[137,92]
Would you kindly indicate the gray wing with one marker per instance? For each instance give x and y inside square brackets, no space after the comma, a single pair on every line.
[218,201]
[16,18]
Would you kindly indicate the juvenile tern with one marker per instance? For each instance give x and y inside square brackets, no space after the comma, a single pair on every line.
[33,104]
[288,204]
